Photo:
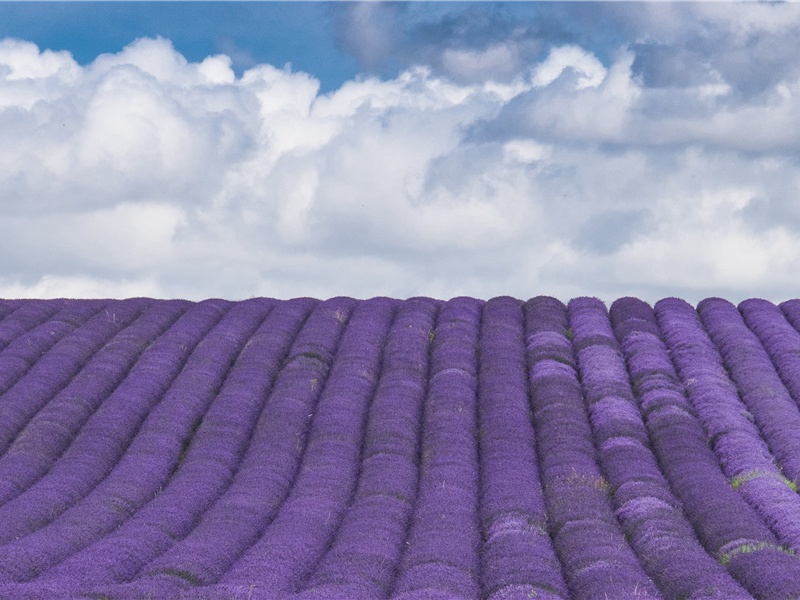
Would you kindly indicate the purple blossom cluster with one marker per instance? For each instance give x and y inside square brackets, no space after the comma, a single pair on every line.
[390,449]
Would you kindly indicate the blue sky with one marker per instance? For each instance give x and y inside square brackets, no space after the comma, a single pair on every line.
[312,36]
[183,149]
[250,32]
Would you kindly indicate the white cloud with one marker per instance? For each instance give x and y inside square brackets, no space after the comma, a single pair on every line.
[590,71]
[526,151]
[145,174]
[49,286]
[22,61]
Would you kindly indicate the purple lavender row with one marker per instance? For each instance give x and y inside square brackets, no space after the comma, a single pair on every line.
[206,463]
[234,444]
[595,556]
[52,405]
[780,339]
[650,515]
[305,523]
[782,343]
[364,556]
[25,316]
[8,306]
[773,409]
[791,310]
[104,431]
[755,474]
[719,515]
[55,370]
[267,458]
[55,591]
[739,538]
[517,554]
[52,428]
[137,407]
[442,548]
[760,387]
[27,348]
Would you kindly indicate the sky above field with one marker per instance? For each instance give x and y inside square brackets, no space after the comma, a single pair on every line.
[176,149]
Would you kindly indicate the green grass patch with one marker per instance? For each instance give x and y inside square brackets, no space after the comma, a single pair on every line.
[750,475]
[726,557]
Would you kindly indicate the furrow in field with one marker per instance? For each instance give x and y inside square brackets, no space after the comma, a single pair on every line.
[39,446]
[779,339]
[772,408]
[148,418]
[20,318]
[84,445]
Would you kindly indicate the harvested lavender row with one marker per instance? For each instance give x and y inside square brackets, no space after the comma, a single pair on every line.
[651,516]
[779,338]
[441,553]
[702,490]
[756,557]
[396,450]
[518,558]
[362,561]
[594,554]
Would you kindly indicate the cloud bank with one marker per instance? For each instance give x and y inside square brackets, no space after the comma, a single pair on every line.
[483,172]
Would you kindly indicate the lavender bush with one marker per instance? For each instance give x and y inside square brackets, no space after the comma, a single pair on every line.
[399,450]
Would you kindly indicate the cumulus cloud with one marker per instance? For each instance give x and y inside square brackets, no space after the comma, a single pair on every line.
[465,42]
[143,173]
[588,70]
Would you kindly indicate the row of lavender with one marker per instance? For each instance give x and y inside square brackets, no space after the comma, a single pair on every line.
[412,449]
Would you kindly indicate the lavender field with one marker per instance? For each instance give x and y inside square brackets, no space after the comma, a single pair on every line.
[399,449]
